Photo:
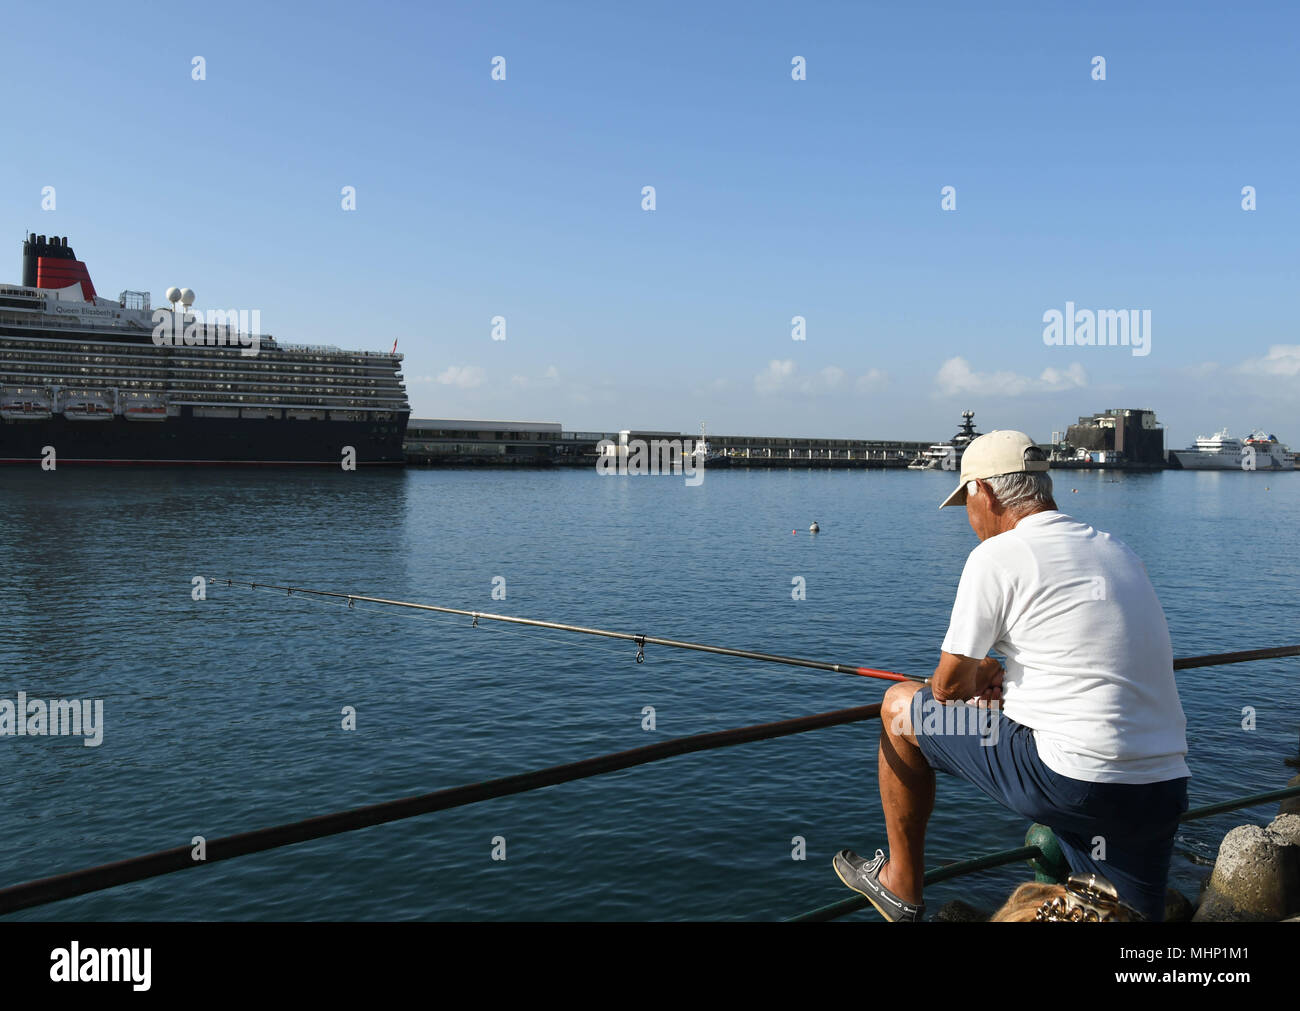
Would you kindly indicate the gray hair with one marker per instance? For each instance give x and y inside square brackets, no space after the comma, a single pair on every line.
[1016,490]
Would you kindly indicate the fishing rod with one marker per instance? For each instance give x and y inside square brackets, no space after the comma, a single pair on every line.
[641,640]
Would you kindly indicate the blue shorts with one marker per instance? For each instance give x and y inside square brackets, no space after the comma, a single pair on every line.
[1135,822]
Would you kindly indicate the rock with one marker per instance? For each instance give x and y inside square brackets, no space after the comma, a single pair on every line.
[1290,805]
[1256,876]
[1287,827]
[1178,908]
[957,911]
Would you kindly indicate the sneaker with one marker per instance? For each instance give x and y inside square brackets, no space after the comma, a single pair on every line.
[863,876]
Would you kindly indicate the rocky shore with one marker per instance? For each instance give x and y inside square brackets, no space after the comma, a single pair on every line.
[1257,874]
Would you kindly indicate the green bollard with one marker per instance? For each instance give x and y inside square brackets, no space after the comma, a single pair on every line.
[1052,868]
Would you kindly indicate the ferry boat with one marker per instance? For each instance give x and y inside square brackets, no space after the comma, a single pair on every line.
[116,381]
[1220,451]
[947,455]
[1270,454]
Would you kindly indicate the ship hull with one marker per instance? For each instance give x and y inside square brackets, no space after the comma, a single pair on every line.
[1204,461]
[211,441]
[1211,461]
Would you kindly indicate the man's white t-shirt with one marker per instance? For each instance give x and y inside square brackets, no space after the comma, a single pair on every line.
[1089,666]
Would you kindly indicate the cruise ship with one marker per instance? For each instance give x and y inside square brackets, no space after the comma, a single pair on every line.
[947,455]
[1260,451]
[87,379]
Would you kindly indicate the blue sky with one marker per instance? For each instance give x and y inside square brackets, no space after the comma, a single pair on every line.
[775,198]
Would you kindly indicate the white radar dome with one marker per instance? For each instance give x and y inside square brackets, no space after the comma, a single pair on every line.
[173,294]
[187,296]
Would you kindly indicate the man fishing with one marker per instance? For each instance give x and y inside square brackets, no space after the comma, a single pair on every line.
[1086,733]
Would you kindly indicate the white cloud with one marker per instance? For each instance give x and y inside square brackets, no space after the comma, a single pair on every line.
[832,376]
[1281,360]
[872,379]
[713,387]
[776,377]
[465,376]
[1201,370]
[550,376]
[956,376]
[782,376]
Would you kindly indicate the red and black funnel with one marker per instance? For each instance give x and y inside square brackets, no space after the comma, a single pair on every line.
[52,264]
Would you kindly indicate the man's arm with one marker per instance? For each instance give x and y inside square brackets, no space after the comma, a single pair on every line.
[958,678]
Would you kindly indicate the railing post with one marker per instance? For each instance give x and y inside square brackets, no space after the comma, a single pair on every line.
[1051,867]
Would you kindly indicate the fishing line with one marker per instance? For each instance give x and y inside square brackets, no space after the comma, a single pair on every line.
[640,639]
[433,617]
[303,594]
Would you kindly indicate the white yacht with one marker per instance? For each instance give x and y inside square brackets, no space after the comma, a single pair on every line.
[947,455]
[1221,451]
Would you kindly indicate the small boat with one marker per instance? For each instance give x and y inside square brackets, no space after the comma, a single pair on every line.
[88,405]
[144,407]
[26,403]
[705,456]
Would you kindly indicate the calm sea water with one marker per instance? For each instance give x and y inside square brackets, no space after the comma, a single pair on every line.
[223,715]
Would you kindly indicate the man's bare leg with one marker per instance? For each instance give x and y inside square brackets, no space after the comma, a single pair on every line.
[906,794]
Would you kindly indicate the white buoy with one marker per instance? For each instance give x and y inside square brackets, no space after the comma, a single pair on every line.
[814,528]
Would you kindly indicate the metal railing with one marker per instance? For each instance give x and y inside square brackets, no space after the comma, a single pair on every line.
[97,878]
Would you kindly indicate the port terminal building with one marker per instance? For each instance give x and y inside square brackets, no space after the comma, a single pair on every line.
[489,443]
[442,441]
[1120,436]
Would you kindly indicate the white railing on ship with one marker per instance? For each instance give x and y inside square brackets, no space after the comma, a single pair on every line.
[16,319]
[331,349]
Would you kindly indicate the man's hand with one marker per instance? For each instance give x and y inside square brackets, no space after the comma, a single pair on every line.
[988,680]
[959,678]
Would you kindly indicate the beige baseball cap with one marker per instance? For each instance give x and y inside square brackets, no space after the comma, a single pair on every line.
[1001,452]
